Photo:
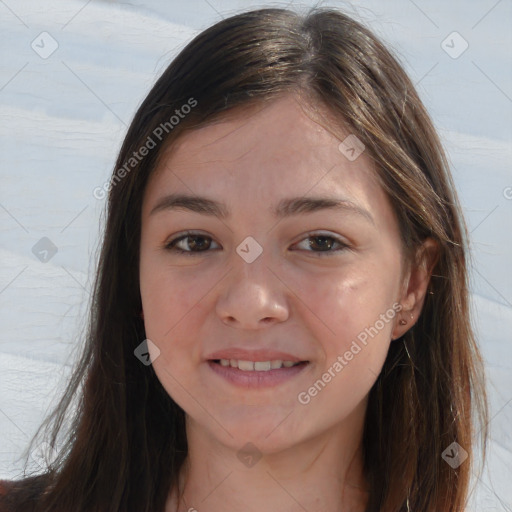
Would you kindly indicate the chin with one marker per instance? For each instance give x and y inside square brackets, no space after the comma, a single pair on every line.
[266,429]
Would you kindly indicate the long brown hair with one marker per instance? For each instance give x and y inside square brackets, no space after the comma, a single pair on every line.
[126,442]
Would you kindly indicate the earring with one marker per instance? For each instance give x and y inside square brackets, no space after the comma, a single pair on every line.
[402,322]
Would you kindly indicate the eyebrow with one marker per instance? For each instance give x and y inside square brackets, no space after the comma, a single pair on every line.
[285,207]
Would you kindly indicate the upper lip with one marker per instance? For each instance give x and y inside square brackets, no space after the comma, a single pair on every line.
[242,354]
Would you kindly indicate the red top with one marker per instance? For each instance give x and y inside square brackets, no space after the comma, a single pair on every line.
[4,488]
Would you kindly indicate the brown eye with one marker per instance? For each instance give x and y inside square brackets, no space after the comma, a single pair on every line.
[189,244]
[325,243]
[321,243]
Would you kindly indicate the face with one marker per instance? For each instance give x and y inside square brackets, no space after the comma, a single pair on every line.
[268,270]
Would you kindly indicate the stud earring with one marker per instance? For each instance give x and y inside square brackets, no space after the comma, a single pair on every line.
[402,322]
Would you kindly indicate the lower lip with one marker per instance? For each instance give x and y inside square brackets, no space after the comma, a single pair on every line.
[257,379]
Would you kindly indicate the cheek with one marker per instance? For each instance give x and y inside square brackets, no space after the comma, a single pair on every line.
[355,333]
[176,301]
[351,314]
[352,298]
[169,295]
[171,305]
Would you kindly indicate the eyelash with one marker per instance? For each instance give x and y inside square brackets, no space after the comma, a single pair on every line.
[170,246]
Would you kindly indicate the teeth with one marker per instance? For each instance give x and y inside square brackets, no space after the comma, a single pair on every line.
[259,366]
[262,366]
[247,366]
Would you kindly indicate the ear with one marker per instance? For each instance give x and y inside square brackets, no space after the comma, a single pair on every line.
[414,287]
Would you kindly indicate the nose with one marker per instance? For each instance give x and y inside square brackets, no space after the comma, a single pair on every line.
[252,296]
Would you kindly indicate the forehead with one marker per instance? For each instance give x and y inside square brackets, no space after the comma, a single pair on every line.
[277,149]
[280,130]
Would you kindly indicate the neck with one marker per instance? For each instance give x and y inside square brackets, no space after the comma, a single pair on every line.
[323,473]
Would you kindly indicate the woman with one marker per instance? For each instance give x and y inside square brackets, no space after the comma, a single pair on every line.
[228,364]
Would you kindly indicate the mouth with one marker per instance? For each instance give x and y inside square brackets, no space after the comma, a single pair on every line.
[257,366]
[257,374]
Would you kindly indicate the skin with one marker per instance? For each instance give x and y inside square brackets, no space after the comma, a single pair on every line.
[309,301]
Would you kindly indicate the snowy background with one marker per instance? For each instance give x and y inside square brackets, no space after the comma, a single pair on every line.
[72,74]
